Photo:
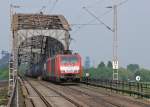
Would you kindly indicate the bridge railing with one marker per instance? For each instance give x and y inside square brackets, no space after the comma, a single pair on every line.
[11,98]
[132,88]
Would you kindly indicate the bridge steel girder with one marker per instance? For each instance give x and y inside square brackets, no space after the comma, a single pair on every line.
[34,31]
[28,27]
[38,45]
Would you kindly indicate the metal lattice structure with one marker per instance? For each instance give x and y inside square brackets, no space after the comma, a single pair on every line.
[37,35]
[115,45]
[11,76]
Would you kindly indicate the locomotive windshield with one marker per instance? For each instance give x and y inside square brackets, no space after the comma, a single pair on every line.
[69,60]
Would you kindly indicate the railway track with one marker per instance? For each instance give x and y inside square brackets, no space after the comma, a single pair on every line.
[77,96]
[48,99]
[105,99]
[141,102]
[114,99]
[90,101]
[41,96]
[37,95]
[64,96]
[68,99]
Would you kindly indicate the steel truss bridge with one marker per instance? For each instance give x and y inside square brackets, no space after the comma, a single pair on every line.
[34,37]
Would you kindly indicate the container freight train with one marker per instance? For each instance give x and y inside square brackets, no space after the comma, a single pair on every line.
[60,68]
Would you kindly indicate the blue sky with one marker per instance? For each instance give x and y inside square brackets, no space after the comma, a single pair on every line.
[93,41]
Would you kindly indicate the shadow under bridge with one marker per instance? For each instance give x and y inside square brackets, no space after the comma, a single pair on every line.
[36,49]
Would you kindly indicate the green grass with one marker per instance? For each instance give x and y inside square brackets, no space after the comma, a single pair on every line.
[4,73]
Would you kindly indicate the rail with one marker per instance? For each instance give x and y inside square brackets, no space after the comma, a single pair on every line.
[131,88]
[10,102]
[40,95]
[63,95]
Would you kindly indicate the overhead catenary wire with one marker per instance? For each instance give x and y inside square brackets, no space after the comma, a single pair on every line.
[98,19]
[81,14]
[90,22]
[122,2]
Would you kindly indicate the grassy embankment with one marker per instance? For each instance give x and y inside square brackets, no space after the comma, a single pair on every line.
[4,73]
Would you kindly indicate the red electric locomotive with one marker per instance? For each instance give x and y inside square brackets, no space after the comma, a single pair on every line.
[61,68]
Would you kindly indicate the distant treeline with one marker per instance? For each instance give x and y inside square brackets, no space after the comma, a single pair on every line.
[105,71]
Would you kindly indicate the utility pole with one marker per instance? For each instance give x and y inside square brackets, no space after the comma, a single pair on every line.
[115,38]
[115,44]
[115,35]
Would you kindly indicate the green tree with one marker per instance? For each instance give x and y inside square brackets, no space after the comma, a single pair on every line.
[124,74]
[101,65]
[133,67]
[109,64]
[144,74]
